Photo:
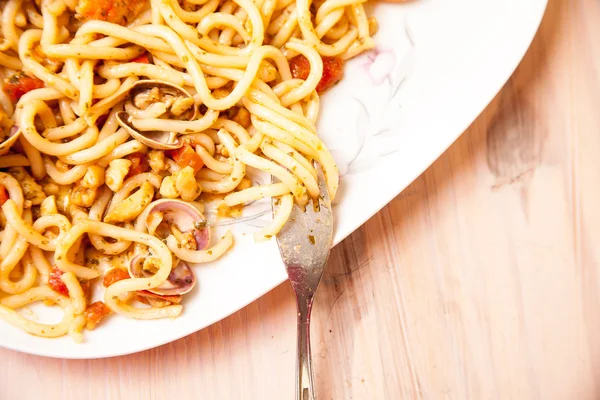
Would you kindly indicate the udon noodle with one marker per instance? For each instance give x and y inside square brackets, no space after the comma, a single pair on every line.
[118,117]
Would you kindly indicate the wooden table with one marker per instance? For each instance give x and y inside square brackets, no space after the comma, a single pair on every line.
[480,281]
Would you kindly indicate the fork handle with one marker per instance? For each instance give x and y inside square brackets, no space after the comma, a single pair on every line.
[304,378]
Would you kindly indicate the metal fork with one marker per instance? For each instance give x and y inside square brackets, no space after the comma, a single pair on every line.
[304,244]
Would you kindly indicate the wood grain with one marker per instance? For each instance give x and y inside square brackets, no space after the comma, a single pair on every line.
[480,281]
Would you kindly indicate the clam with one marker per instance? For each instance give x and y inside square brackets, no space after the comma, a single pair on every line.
[161,217]
[181,215]
[180,281]
[148,103]
[12,137]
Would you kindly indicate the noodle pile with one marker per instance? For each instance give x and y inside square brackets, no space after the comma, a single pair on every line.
[118,117]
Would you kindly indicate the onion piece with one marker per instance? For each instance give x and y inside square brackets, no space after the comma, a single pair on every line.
[13,135]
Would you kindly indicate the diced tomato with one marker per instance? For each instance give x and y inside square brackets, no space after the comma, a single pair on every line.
[85,287]
[143,59]
[115,11]
[3,195]
[59,286]
[333,68]
[300,67]
[56,283]
[115,275]
[187,156]
[20,83]
[139,164]
[172,299]
[95,312]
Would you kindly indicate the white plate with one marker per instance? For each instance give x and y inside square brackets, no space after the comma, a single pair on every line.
[394,113]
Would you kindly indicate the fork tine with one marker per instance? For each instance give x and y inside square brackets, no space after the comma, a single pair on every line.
[307,236]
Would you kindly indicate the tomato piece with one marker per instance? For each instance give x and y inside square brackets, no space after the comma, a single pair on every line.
[3,195]
[16,85]
[56,283]
[176,299]
[95,312]
[143,59]
[300,67]
[333,69]
[59,286]
[115,275]
[139,164]
[186,156]
[116,11]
